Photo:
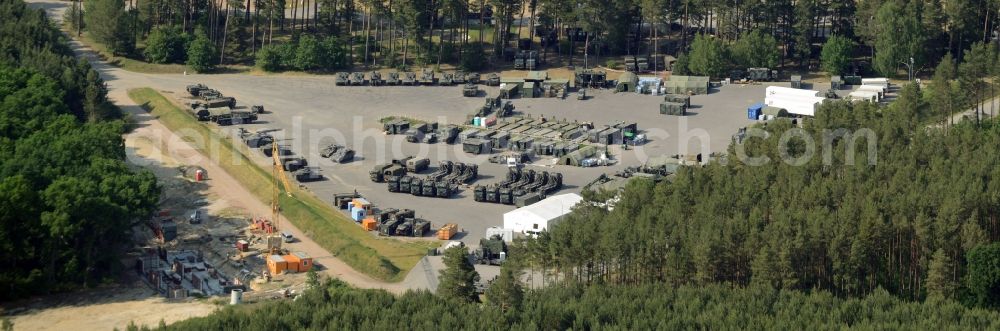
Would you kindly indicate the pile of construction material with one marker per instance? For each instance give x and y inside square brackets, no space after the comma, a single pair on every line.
[179,274]
[519,188]
[426,78]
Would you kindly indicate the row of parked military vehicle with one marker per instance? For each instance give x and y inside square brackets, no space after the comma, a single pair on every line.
[298,166]
[408,78]
[389,222]
[427,133]
[211,105]
[442,183]
[520,188]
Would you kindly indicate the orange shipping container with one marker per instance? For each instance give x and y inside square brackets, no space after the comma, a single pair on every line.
[447,231]
[298,261]
[369,224]
[276,264]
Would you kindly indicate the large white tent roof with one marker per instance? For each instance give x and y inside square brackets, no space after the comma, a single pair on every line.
[795,101]
[541,212]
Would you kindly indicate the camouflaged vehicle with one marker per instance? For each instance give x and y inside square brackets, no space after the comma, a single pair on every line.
[493,79]
[427,77]
[409,78]
[393,78]
[470,90]
[341,79]
[196,89]
[447,79]
[357,78]
[375,79]
[459,77]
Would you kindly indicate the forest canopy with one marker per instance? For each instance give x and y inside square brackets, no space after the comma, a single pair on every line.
[67,197]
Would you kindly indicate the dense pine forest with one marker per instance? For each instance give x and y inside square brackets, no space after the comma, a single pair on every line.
[882,35]
[336,306]
[67,197]
[906,210]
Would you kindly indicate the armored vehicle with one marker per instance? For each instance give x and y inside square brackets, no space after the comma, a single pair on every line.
[492,251]
[417,165]
[393,79]
[447,79]
[473,77]
[343,155]
[357,78]
[470,90]
[427,77]
[329,150]
[375,79]
[196,89]
[308,175]
[341,79]
[493,79]
[409,78]
[459,77]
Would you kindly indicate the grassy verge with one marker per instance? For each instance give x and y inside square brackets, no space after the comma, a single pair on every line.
[382,258]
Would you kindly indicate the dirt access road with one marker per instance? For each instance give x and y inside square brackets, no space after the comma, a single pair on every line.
[108,308]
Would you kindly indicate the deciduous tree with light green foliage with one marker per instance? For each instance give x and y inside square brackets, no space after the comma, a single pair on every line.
[308,54]
[201,54]
[165,44]
[707,57]
[836,55]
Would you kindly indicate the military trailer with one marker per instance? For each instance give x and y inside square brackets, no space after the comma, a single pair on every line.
[527,199]
[449,133]
[470,90]
[399,126]
[341,79]
[673,108]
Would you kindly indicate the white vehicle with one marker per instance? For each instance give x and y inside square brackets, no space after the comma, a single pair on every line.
[451,244]
[287,237]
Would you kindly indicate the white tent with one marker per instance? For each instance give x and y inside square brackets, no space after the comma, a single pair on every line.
[870,96]
[880,82]
[796,101]
[539,216]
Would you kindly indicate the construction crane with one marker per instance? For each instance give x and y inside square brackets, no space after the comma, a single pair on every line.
[278,173]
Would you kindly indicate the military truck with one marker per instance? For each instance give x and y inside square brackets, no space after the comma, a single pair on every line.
[421,228]
[761,74]
[416,186]
[393,79]
[492,251]
[393,183]
[449,133]
[470,90]
[308,175]
[341,79]
[356,79]
[196,89]
[236,117]
[383,171]
[415,165]
[375,79]
[428,189]
[293,163]
[389,228]
[342,200]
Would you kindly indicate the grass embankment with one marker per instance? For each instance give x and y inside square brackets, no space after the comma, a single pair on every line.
[382,258]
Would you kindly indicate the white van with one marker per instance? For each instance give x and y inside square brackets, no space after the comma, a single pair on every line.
[287,237]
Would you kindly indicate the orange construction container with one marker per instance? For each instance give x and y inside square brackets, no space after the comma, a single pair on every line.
[299,262]
[362,203]
[369,224]
[447,231]
[276,264]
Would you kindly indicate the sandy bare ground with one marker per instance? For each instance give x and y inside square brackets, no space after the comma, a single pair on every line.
[106,309]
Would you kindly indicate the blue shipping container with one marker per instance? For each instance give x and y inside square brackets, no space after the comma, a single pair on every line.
[358,214]
[754,111]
